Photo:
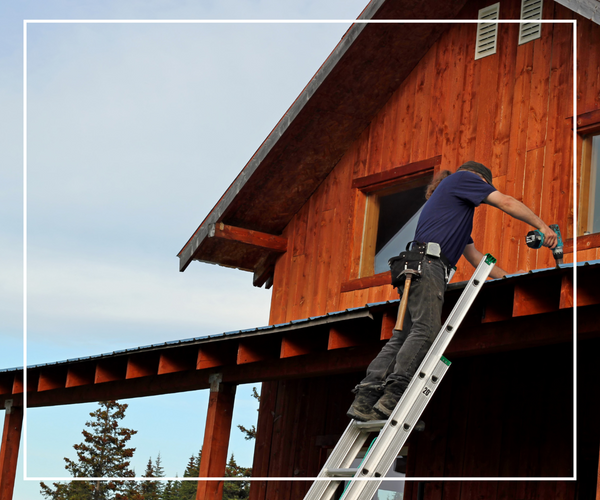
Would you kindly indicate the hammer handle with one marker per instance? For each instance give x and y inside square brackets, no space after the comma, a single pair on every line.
[403,304]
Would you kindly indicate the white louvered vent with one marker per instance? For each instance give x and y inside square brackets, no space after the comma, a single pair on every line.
[530,10]
[487,33]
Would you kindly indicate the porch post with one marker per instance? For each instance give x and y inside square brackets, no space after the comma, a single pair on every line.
[9,450]
[216,438]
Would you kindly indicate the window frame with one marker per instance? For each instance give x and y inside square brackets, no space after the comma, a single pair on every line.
[585,124]
[369,188]
[585,186]
[372,214]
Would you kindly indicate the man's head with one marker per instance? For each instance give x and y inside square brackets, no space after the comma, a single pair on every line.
[478,168]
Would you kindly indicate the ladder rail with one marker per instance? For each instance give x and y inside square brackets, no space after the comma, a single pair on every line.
[440,344]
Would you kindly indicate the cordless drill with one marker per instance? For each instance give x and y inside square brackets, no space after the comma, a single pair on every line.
[535,239]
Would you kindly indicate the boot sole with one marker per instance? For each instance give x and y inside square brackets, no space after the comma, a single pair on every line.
[354,414]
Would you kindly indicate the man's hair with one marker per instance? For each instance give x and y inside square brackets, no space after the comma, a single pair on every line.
[478,168]
[440,176]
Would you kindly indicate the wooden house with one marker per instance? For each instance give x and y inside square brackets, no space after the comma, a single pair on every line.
[342,175]
[309,216]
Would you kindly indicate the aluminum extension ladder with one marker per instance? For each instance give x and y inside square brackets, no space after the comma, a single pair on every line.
[394,431]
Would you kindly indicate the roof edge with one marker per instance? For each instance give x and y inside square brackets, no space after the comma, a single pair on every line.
[187,252]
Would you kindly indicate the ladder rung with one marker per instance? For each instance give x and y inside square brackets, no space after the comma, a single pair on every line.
[342,472]
[371,425]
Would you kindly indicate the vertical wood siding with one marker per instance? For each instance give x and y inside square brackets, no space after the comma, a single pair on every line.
[509,111]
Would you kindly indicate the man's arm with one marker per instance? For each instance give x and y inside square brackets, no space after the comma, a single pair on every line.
[474,257]
[518,210]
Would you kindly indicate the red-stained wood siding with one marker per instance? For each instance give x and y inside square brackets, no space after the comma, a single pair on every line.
[509,111]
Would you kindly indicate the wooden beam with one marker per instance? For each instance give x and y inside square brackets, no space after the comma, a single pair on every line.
[251,351]
[588,291]
[142,365]
[52,379]
[263,272]
[497,304]
[9,449]
[566,292]
[248,237]
[368,282]
[587,121]
[179,360]
[82,374]
[6,383]
[297,344]
[381,179]
[110,370]
[18,384]
[583,243]
[537,296]
[216,438]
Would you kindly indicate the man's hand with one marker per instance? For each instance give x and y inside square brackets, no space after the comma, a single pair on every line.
[550,237]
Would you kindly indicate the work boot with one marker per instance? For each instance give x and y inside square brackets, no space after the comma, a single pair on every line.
[362,406]
[388,401]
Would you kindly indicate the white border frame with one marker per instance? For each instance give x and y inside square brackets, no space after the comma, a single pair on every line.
[26,22]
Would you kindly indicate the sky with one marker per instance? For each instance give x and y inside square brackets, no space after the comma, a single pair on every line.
[134,131]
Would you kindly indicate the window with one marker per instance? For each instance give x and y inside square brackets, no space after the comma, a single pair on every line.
[391,219]
[589,210]
[396,222]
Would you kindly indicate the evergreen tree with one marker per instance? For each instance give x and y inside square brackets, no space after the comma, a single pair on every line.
[171,490]
[187,489]
[236,490]
[103,453]
[152,490]
[250,433]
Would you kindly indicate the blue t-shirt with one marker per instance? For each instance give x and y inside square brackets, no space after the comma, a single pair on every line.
[447,217]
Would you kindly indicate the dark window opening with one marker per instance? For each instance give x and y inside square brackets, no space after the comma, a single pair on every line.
[398,217]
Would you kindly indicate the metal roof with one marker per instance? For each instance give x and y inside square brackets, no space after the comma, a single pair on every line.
[332,317]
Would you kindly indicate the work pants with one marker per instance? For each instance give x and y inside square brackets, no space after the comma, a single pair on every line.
[403,353]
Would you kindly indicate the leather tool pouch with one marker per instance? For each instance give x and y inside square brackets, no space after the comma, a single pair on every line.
[399,265]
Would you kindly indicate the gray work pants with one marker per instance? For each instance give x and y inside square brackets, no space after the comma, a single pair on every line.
[402,354]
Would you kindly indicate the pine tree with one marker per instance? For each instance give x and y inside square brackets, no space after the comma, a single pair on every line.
[187,490]
[171,490]
[250,433]
[152,490]
[236,490]
[103,453]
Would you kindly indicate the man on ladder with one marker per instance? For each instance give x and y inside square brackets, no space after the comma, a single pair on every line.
[443,234]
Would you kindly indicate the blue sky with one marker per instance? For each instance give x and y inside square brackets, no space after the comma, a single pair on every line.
[134,132]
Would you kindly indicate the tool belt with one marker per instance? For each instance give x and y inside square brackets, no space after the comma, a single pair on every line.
[409,261]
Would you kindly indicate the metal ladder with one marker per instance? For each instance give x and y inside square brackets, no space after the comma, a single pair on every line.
[394,431]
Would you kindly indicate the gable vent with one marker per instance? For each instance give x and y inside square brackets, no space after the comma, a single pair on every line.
[530,9]
[487,33]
